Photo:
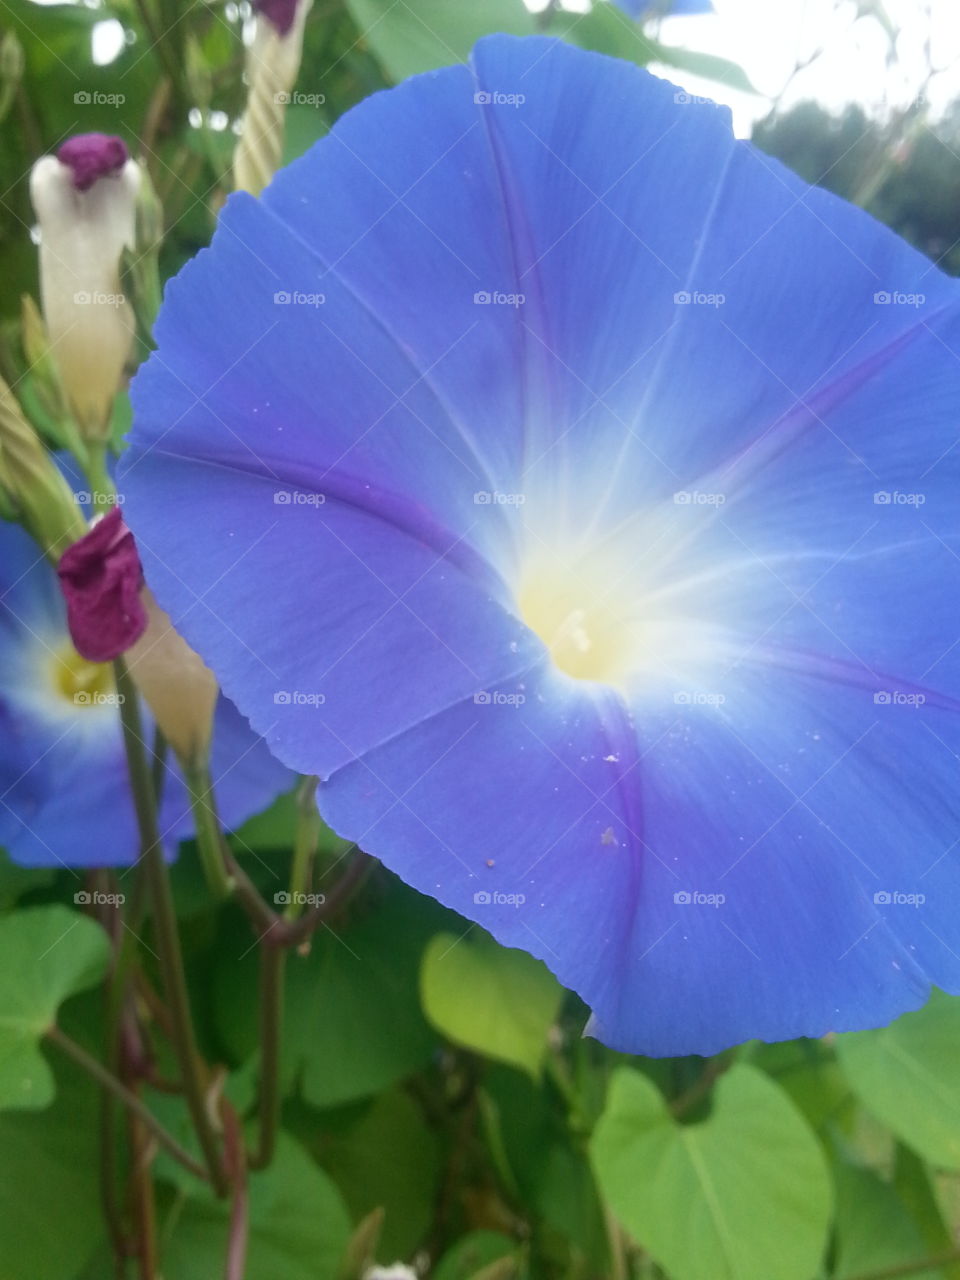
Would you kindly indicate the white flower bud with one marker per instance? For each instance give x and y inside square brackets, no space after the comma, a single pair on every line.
[179,688]
[85,202]
[273,61]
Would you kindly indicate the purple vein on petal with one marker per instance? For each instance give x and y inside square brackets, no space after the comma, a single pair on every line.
[855,675]
[423,376]
[404,516]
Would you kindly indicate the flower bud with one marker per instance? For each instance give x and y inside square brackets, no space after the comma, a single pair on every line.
[273,61]
[85,202]
[35,492]
[101,578]
[180,689]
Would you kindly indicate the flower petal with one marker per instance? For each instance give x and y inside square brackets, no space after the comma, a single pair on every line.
[64,792]
[689,379]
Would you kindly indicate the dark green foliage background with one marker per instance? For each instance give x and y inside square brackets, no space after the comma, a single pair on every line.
[428,1073]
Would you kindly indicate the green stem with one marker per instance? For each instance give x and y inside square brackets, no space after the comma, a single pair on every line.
[165,923]
[272,967]
[103,490]
[108,1117]
[304,845]
[701,1087]
[129,1099]
[208,834]
[615,1246]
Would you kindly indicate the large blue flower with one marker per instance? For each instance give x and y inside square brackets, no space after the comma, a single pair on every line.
[673,8]
[574,490]
[64,789]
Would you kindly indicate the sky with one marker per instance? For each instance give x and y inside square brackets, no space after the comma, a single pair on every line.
[768,38]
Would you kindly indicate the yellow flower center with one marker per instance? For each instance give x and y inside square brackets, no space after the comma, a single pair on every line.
[78,680]
[580,613]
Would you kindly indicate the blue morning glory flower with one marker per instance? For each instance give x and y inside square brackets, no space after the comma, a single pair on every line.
[64,789]
[573,489]
[664,8]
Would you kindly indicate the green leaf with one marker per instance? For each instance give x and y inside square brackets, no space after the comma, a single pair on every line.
[914,1183]
[405,1183]
[864,1202]
[299,1227]
[742,1195]
[540,1163]
[419,35]
[355,1024]
[46,954]
[50,1218]
[489,998]
[706,65]
[473,1252]
[15,880]
[906,1074]
[606,29]
[359,1026]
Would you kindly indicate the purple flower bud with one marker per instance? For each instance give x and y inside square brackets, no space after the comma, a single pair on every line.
[90,156]
[101,578]
[279,13]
